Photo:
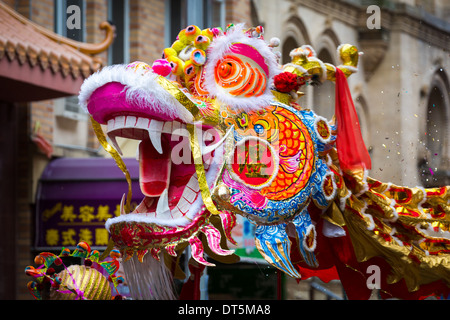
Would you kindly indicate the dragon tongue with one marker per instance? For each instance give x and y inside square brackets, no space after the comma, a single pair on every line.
[154,168]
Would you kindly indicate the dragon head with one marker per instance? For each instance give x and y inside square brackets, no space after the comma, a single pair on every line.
[220,134]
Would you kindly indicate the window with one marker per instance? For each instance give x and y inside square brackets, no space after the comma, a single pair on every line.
[363,117]
[118,15]
[435,163]
[295,35]
[70,19]
[202,13]
[324,94]
[288,45]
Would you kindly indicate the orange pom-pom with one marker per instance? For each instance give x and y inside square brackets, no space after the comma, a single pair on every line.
[115,254]
[39,260]
[84,247]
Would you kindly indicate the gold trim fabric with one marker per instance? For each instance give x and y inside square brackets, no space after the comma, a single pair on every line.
[408,227]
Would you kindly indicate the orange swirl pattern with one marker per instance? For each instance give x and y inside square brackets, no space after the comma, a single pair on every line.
[239,78]
[295,138]
[199,84]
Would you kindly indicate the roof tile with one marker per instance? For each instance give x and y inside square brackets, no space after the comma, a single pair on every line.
[26,44]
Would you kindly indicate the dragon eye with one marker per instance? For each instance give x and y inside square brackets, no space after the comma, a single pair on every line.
[259,129]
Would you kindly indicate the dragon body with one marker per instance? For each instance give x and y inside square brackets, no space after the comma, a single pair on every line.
[221,135]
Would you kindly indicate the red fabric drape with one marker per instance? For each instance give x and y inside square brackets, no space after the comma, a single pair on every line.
[352,151]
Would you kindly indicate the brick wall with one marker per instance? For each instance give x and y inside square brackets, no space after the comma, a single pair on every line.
[96,13]
[24,220]
[238,11]
[41,12]
[146,30]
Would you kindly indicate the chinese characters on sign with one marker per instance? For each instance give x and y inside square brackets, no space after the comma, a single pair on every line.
[76,196]
[65,225]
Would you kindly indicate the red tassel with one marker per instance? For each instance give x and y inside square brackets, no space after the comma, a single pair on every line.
[352,151]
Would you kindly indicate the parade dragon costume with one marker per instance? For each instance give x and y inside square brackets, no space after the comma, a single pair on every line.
[221,135]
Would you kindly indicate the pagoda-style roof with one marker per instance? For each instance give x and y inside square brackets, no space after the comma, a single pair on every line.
[38,64]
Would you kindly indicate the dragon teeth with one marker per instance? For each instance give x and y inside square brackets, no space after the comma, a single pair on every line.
[162,208]
[135,127]
[154,132]
[122,210]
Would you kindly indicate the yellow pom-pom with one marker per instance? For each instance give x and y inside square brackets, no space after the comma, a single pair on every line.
[192,32]
[176,64]
[182,37]
[178,46]
[167,52]
[208,33]
[189,69]
[202,42]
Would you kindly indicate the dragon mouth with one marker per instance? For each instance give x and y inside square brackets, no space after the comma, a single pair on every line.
[167,174]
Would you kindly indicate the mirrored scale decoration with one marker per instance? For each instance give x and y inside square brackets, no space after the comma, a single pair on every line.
[271,174]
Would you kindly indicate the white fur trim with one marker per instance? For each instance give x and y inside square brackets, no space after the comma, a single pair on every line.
[349,68]
[142,88]
[424,199]
[305,47]
[297,67]
[343,200]
[218,48]
[333,194]
[325,141]
[429,232]
[371,225]
[392,234]
[338,53]
[323,76]
[365,184]
[310,229]
[394,211]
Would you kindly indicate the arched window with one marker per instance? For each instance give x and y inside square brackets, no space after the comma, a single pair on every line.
[289,44]
[324,94]
[364,122]
[295,35]
[435,165]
